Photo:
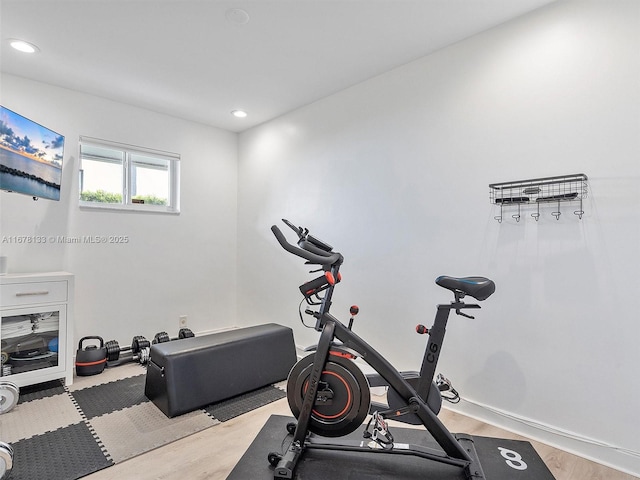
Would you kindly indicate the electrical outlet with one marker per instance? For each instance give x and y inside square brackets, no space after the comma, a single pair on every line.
[182,321]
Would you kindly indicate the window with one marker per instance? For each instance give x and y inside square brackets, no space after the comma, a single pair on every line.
[125,177]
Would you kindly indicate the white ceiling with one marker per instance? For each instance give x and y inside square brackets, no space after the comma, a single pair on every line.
[186,58]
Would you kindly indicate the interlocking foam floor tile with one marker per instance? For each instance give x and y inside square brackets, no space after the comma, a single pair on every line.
[129,432]
[41,390]
[38,416]
[228,409]
[110,397]
[64,433]
[109,374]
[67,453]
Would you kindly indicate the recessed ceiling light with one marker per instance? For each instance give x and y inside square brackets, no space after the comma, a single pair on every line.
[239,113]
[237,16]
[23,46]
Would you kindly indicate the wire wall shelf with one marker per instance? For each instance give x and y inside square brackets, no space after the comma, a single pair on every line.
[548,191]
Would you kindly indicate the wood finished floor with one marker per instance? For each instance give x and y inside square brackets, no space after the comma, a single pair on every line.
[212,453]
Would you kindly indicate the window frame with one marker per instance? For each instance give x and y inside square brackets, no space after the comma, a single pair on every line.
[173,159]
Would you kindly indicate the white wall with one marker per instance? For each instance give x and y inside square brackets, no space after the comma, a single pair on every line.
[394,172]
[172,264]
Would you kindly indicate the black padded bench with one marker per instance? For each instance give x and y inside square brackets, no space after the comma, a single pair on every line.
[187,374]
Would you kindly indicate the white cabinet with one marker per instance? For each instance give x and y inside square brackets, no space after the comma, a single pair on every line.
[36,327]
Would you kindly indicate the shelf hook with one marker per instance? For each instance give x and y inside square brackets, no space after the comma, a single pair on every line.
[517,217]
[557,214]
[580,212]
[499,217]
[537,214]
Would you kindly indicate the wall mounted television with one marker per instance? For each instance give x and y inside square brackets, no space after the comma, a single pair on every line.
[30,157]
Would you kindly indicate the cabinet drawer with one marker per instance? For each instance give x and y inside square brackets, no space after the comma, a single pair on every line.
[32,293]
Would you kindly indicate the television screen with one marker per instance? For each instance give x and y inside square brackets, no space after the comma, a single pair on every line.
[30,157]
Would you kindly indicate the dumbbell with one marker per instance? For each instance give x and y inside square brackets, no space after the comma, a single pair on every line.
[163,337]
[6,460]
[140,347]
[9,394]
[138,351]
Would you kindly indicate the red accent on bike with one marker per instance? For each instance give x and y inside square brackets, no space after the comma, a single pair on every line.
[335,353]
[421,329]
[330,278]
[349,398]
[339,277]
[354,309]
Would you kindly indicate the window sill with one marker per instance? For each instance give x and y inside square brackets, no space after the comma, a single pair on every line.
[155,209]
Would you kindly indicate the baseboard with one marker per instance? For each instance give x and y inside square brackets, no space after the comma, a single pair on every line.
[597,451]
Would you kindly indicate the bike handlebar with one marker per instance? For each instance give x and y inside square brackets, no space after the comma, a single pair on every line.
[308,252]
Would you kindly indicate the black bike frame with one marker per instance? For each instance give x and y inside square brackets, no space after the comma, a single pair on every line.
[331,328]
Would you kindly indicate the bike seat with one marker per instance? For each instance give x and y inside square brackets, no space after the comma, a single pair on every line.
[479,288]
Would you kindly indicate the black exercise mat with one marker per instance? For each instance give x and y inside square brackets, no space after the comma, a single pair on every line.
[228,409]
[320,465]
[506,459]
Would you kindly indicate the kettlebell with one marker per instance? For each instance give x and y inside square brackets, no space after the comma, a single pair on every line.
[92,359]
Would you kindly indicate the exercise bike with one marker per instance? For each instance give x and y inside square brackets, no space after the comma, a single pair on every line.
[330,396]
